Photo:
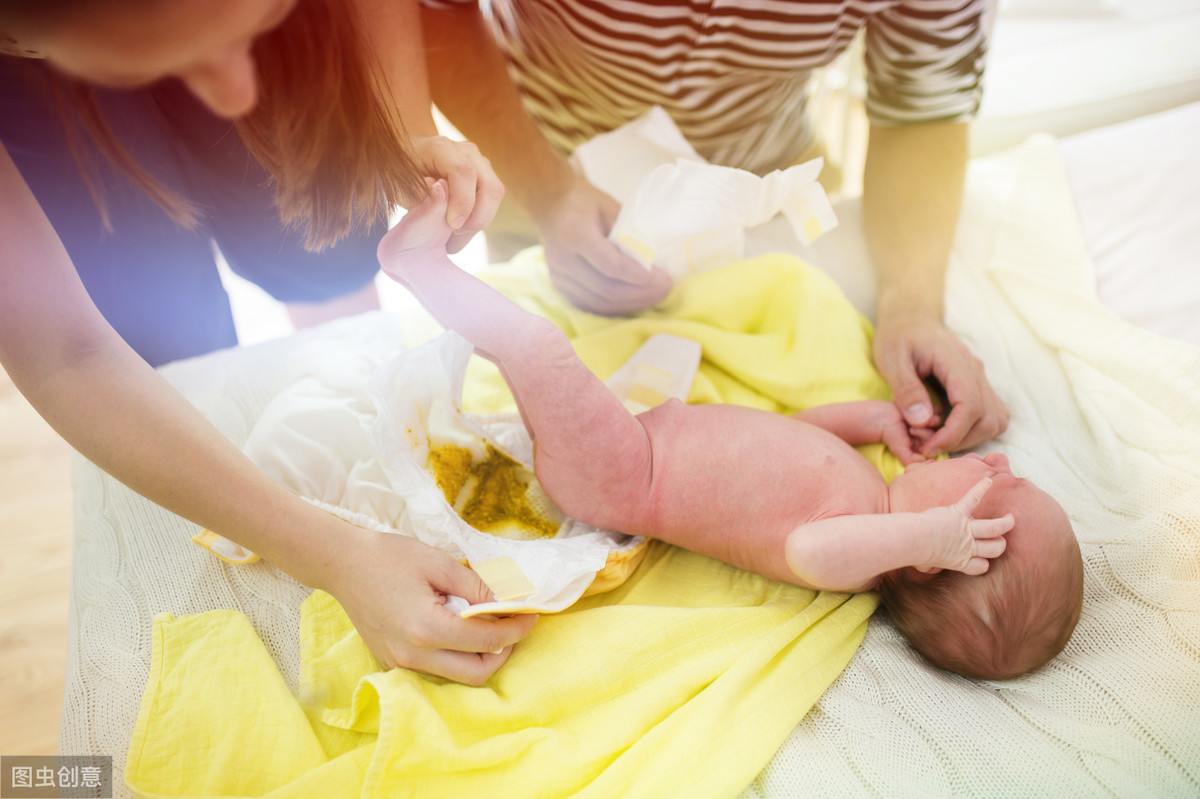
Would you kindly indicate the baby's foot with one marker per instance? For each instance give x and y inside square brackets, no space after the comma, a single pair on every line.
[421,233]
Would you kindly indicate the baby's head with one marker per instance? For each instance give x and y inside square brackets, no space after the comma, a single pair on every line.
[1021,612]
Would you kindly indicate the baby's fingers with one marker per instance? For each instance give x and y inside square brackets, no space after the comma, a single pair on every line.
[897,440]
[990,547]
[977,566]
[985,550]
[972,498]
[992,528]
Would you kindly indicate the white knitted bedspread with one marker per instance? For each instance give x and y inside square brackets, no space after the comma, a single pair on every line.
[1105,417]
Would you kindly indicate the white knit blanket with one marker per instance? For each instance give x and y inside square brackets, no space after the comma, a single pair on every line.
[1105,417]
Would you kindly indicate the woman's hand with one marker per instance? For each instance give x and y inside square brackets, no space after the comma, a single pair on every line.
[475,191]
[394,590]
[591,271]
[910,348]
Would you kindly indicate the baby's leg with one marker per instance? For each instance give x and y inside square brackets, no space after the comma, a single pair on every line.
[591,455]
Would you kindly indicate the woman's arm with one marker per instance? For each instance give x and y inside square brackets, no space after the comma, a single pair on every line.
[392,29]
[120,414]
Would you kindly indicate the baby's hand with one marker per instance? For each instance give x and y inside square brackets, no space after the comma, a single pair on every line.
[962,542]
[896,434]
[421,231]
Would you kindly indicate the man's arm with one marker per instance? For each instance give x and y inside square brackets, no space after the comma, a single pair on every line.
[912,191]
[470,83]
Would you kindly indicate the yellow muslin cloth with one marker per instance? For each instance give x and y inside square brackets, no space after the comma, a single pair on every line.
[776,334]
[683,680]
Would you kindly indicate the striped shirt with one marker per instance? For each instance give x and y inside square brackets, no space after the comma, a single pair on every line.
[734,74]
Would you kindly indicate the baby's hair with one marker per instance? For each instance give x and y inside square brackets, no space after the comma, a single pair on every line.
[1009,621]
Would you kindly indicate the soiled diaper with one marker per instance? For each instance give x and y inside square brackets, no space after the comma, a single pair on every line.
[468,482]
[389,448]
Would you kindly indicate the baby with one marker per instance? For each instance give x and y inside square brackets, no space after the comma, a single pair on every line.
[786,497]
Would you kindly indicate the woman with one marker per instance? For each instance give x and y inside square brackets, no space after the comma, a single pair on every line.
[318,105]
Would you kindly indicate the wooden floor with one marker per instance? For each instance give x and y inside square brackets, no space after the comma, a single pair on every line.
[35,567]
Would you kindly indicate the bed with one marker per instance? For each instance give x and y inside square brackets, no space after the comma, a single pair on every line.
[1074,278]
[1115,713]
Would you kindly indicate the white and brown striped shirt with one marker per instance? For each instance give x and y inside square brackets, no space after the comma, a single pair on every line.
[734,74]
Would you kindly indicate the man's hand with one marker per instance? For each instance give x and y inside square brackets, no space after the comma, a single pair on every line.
[591,271]
[475,191]
[910,348]
[394,590]
[903,439]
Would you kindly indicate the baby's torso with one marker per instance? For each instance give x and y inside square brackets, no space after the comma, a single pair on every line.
[726,475]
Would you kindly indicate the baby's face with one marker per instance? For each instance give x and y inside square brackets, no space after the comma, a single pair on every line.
[1042,528]
[929,484]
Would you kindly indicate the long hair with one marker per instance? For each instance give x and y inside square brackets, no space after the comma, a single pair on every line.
[324,128]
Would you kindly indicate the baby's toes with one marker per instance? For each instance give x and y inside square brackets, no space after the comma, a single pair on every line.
[426,223]
[421,229]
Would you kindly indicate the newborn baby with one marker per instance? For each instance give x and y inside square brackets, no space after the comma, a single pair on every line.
[979,569]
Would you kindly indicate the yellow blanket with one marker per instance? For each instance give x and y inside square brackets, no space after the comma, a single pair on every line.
[683,681]
[776,334]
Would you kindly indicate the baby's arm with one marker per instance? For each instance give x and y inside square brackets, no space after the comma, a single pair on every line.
[869,422]
[848,553]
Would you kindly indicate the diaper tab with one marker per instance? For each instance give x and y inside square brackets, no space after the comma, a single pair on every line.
[223,548]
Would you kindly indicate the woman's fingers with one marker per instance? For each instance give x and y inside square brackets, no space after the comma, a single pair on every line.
[474,189]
